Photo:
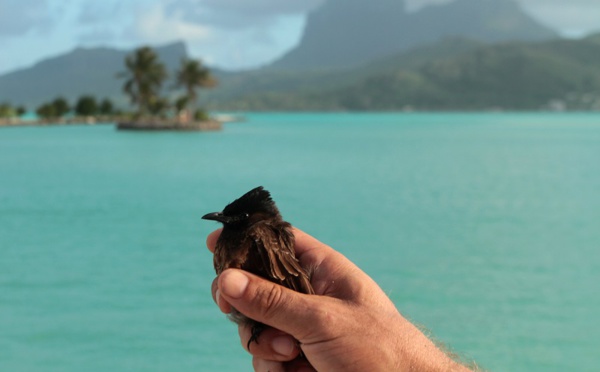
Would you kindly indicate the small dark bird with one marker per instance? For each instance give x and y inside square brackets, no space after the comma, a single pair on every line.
[255,238]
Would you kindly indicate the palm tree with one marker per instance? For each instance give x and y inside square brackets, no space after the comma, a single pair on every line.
[145,75]
[106,107]
[86,106]
[191,76]
[61,106]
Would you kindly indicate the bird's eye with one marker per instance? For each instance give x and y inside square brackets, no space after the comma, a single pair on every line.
[240,217]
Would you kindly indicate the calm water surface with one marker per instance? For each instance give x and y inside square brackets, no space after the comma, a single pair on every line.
[483,228]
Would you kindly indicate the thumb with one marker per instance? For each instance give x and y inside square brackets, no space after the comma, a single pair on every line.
[272,304]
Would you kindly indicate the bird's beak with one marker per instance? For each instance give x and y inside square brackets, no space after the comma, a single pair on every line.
[215,216]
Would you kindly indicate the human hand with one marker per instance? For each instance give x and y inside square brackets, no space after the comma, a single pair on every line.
[349,325]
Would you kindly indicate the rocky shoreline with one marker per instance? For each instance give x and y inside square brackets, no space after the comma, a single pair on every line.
[150,124]
[157,124]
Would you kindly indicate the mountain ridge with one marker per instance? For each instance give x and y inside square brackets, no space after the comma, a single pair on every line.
[401,73]
[345,34]
[451,75]
[78,72]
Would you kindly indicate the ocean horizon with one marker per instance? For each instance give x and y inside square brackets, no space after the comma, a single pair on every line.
[483,228]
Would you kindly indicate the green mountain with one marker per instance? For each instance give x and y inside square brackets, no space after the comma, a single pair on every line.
[450,75]
[82,71]
[348,33]
[358,55]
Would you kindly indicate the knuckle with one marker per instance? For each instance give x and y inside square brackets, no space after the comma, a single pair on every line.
[270,299]
[331,320]
[325,319]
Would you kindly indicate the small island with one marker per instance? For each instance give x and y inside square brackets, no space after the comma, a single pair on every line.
[154,110]
[145,75]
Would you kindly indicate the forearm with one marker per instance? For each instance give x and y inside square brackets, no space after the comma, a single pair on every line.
[416,352]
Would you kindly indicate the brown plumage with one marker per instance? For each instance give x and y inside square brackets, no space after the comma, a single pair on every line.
[255,238]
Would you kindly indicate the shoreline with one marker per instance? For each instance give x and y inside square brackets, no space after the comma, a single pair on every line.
[158,125]
[121,123]
[75,120]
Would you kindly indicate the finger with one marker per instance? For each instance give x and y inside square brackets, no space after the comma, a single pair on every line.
[282,308]
[273,344]
[310,251]
[261,365]
[298,365]
[305,243]
[211,239]
[223,305]
[325,263]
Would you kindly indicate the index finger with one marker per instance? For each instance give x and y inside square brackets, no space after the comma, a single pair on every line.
[211,239]
[305,242]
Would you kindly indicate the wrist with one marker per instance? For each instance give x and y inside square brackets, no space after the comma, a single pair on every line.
[416,352]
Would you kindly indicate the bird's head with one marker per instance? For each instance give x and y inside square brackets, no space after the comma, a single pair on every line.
[253,206]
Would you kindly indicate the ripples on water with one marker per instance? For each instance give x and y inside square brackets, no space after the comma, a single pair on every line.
[481,227]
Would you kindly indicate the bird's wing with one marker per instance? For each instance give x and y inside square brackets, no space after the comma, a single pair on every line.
[275,247]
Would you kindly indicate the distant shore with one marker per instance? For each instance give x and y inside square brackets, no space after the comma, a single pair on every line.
[15,122]
[159,124]
[127,123]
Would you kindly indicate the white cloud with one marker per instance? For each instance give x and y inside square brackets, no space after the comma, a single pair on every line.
[100,11]
[153,25]
[250,9]
[18,17]
[570,17]
[250,47]
[412,5]
[221,33]
[229,33]
[576,18]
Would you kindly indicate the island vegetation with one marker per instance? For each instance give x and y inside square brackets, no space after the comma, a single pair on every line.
[155,107]
[9,113]
[450,75]
[144,79]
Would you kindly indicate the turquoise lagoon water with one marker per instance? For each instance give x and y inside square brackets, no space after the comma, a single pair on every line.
[483,228]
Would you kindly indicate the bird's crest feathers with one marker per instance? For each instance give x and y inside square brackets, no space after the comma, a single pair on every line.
[255,200]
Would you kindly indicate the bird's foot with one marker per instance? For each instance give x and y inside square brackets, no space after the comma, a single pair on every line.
[256,330]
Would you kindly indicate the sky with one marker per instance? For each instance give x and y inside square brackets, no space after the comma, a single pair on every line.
[230,34]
